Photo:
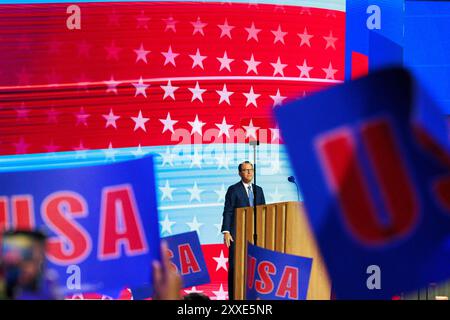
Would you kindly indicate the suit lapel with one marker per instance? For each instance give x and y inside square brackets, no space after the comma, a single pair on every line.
[244,193]
[255,193]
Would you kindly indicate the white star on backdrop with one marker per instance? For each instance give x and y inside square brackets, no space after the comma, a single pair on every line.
[197,59]
[140,122]
[252,64]
[110,153]
[304,38]
[169,90]
[192,290]
[196,159]
[223,161]
[279,35]
[166,225]
[277,99]
[82,117]
[221,261]
[194,225]
[197,92]
[304,69]
[110,119]
[252,32]
[141,87]
[168,123]
[251,97]
[221,294]
[138,152]
[167,191]
[224,95]
[198,26]
[170,24]
[278,67]
[196,126]
[225,29]
[330,41]
[168,157]
[195,193]
[225,62]
[224,128]
[329,72]
[221,193]
[112,85]
[170,56]
[141,54]
[250,130]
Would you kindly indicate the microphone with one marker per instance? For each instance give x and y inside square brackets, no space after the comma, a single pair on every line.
[292,179]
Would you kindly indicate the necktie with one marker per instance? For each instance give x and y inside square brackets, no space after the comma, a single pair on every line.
[250,196]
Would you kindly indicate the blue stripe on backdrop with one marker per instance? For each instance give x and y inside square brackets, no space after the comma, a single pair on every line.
[325,4]
[383,45]
[191,179]
[427,45]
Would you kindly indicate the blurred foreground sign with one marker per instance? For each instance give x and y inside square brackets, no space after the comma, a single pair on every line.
[101,221]
[372,159]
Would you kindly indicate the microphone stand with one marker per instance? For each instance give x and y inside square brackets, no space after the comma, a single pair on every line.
[255,236]
[292,179]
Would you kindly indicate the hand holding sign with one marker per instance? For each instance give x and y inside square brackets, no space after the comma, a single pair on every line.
[166,281]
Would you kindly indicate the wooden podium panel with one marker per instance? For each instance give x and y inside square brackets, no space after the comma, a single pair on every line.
[281,227]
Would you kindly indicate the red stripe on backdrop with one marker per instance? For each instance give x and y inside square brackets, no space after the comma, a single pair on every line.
[63,90]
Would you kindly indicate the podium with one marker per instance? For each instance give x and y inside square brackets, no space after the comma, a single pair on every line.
[281,227]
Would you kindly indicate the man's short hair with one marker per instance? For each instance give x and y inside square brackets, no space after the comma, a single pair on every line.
[196,296]
[35,235]
[245,162]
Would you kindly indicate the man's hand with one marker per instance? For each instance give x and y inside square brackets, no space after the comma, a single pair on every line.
[167,282]
[227,239]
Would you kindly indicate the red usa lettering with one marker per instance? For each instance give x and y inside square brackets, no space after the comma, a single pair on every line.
[187,260]
[346,179]
[120,224]
[266,270]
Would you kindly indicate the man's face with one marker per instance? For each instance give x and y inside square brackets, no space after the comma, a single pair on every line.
[246,172]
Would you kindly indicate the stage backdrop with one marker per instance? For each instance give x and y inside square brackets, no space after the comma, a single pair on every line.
[190,82]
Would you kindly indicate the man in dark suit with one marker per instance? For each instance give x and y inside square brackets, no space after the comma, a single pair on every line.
[241,194]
